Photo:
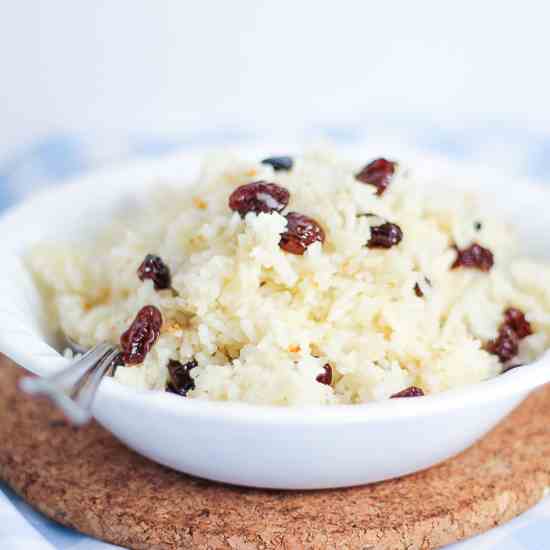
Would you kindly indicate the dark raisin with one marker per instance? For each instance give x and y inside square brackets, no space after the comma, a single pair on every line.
[155,269]
[478,226]
[475,256]
[180,379]
[513,329]
[505,347]
[385,236]
[259,196]
[301,231]
[411,391]
[138,340]
[516,320]
[279,163]
[378,173]
[326,376]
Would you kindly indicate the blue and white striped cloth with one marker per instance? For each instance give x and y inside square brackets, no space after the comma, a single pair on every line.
[62,156]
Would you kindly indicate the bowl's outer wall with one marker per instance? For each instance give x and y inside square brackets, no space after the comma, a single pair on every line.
[304,455]
[258,448]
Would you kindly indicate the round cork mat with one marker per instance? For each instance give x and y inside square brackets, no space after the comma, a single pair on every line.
[86,479]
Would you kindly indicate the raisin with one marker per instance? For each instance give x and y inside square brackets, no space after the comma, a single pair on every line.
[378,173]
[144,331]
[513,329]
[505,347]
[301,231]
[155,269]
[326,376]
[516,320]
[385,236]
[259,196]
[279,163]
[475,256]
[180,379]
[411,391]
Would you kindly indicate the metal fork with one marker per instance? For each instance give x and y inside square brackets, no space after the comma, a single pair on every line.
[73,389]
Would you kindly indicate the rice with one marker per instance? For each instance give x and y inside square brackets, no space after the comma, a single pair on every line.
[262,323]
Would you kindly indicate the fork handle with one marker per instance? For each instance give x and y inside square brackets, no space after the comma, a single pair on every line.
[73,389]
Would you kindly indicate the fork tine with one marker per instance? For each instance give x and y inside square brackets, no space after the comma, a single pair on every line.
[86,394]
[73,389]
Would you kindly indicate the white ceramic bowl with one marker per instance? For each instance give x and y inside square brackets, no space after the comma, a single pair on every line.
[261,446]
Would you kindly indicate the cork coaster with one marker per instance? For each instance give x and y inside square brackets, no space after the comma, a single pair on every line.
[86,479]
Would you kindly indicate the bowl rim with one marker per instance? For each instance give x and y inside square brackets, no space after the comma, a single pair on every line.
[518,381]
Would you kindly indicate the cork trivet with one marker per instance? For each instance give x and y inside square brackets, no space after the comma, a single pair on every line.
[86,479]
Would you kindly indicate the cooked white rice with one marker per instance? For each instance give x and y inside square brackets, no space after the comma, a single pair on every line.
[262,323]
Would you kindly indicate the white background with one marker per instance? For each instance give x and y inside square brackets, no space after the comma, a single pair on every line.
[129,66]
